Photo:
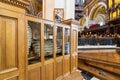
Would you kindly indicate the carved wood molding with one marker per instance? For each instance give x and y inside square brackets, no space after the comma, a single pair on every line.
[99,61]
[19,3]
[70,21]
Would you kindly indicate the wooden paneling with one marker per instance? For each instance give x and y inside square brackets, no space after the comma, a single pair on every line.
[14,78]
[34,74]
[110,68]
[8,44]
[73,63]
[59,68]
[103,75]
[76,61]
[74,40]
[8,74]
[103,63]
[74,50]
[107,55]
[48,72]
[66,65]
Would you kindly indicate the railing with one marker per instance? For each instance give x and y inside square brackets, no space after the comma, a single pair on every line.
[99,41]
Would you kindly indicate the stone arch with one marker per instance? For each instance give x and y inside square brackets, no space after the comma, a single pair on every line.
[95,10]
[99,18]
[82,20]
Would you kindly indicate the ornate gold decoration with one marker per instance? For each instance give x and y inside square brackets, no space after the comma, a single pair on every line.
[20,3]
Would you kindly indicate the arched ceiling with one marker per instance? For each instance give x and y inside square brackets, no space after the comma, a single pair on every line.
[98,14]
[99,8]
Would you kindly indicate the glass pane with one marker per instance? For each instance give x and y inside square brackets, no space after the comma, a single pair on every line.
[67,41]
[8,43]
[48,41]
[59,40]
[33,42]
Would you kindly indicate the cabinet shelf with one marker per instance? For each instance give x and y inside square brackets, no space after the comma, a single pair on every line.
[31,58]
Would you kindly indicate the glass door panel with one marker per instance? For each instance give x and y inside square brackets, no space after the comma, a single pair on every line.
[48,41]
[59,41]
[67,41]
[34,42]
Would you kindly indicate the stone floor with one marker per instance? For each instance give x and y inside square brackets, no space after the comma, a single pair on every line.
[74,76]
[80,75]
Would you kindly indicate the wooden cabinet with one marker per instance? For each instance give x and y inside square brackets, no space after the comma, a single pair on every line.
[48,46]
[34,48]
[54,43]
[73,43]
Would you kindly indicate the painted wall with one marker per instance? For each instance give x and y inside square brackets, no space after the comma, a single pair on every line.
[67,5]
[48,9]
[60,3]
[70,9]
